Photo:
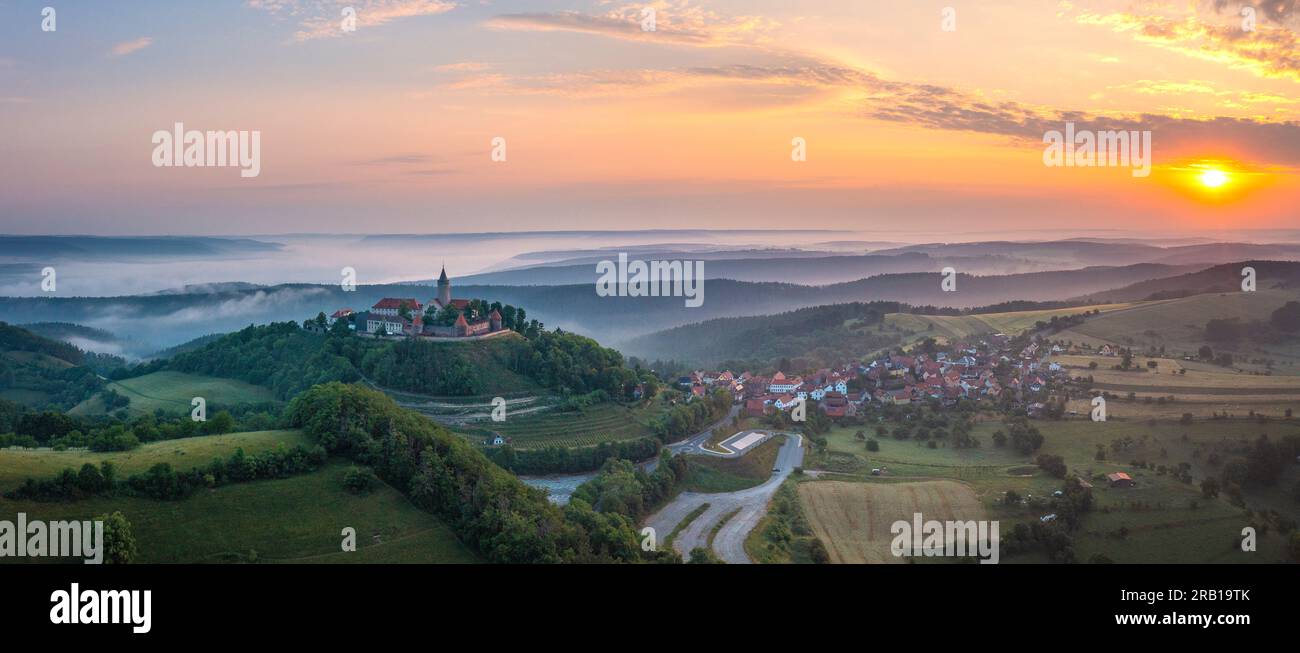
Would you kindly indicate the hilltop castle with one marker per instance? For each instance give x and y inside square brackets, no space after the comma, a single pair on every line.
[402,316]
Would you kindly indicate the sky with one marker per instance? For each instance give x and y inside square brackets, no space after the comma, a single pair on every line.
[912,115]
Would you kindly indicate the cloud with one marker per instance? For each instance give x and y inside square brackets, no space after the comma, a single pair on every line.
[1277,11]
[462,67]
[127,47]
[396,159]
[935,107]
[678,23]
[1269,51]
[319,19]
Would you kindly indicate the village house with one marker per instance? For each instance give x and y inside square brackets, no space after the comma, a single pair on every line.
[1120,479]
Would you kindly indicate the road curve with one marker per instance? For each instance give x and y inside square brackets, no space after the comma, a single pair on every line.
[751,504]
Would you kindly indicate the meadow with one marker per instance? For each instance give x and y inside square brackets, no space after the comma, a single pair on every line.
[172,392]
[16,464]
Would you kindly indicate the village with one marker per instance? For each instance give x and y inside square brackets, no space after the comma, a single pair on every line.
[991,369]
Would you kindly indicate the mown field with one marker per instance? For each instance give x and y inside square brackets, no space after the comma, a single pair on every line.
[853,519]
[173,392]
[1160,520]
[298,519]
[1202,390]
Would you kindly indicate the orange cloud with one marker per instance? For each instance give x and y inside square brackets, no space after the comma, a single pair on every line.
[324,19]
[127,47]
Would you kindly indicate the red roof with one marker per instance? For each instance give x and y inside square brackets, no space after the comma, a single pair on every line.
[395,302]
[460,320]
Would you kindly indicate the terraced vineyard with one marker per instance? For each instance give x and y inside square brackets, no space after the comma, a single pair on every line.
[602,423]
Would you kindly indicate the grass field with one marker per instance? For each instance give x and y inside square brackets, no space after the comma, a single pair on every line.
[853,519]
[299,519]
[960,327]
[710,474]
[173,391]
[16,465]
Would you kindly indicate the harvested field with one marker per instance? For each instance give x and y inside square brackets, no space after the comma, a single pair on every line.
[853,519]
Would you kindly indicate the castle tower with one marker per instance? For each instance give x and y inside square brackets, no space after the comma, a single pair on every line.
[444,288]
[495,320]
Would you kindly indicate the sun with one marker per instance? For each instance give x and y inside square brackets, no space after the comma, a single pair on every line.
[1213,178]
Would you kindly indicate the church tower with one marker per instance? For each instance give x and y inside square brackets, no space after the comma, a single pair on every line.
[444,288]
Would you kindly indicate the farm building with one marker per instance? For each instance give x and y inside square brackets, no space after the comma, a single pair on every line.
[1119,479]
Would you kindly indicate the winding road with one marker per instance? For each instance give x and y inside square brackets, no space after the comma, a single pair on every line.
[749,506]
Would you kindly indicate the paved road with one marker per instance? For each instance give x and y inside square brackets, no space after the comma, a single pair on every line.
[694,445]
[729,544]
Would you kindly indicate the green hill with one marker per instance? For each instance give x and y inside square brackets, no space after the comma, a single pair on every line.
[39,372]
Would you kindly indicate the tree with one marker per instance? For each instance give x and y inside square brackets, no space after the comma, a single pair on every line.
[222,422]
[359,481]
[703,556]
[1210,488]
[1223,330]
[1286,318]
[90,480]
[119,541]
[1054,465]
[1205,353]
[817,552]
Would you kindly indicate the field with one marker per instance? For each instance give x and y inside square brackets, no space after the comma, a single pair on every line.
[16,465]
[1178,325]
[959,327]
[1161,520]
[173,391]
[605,422]
[853,519]
[299,519]
[1202,390]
